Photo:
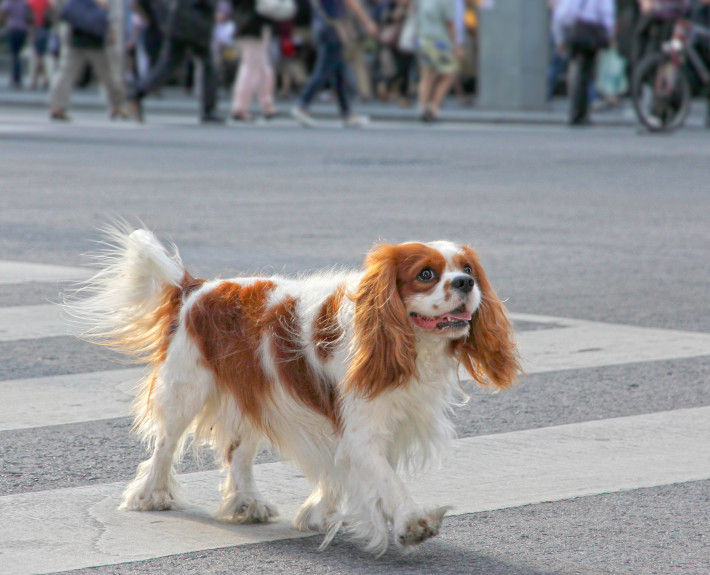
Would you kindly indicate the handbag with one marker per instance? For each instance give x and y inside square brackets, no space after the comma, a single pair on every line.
[87,17]
[587,36]
[611,79]
[389,34]
[276,10]
[408,36]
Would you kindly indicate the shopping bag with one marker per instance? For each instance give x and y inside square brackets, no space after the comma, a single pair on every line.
[611,80]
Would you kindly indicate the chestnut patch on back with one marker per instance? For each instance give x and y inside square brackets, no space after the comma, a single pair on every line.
[226,324]
[305,383]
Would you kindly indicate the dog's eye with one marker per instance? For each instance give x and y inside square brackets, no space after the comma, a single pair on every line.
[426,275]
[468,270]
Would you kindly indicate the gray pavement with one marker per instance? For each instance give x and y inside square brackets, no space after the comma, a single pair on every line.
[598,239]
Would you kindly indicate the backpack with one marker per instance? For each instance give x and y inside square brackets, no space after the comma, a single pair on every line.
[87,17]
[276,10]
[668,9]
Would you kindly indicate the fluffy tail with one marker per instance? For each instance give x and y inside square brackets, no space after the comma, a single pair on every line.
[125,306]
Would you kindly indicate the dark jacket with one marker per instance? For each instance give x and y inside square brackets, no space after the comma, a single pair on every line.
[249,23]
[191,21]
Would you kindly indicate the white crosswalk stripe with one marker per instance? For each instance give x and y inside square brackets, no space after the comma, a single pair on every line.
[20,272]
[71,528]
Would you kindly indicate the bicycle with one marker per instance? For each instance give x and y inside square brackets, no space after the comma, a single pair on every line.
[660,87]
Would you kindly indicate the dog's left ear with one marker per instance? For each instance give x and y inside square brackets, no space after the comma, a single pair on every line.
[384,353]
[488,353]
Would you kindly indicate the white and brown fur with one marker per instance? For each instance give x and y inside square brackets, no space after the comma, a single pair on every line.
[332,369]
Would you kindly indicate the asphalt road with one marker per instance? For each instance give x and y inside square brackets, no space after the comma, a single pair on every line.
[601,226]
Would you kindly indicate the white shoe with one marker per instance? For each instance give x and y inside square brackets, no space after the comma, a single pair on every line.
[302,117]
[355,121]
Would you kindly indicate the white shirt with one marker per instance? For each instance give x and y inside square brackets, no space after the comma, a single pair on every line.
[566,12]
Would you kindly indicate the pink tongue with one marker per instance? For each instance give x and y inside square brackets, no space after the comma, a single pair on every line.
[458,316]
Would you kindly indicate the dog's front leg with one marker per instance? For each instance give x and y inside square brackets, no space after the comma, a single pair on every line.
[377,496]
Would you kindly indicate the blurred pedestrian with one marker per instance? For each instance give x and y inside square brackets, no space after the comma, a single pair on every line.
[581,28]
[43,14]
[330,36]
[82,48]
[16,16]
[154,15]
[188,29]
[256,74]
[404,51]
[439,54]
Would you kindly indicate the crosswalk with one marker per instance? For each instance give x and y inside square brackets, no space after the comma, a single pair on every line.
[61,529]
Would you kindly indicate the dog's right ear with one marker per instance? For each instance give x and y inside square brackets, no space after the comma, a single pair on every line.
[384,345]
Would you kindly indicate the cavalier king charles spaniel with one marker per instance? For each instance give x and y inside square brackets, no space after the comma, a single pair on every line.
[349,374]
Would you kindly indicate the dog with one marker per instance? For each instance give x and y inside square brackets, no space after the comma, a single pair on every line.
[349,374]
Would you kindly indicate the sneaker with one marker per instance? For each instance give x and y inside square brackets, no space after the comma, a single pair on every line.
[354,121]
[427,116]
[302,117]
[212,118]
[59,116]
[135,107]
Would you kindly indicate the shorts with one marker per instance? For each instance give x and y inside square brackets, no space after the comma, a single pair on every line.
[41,41]
[437,54]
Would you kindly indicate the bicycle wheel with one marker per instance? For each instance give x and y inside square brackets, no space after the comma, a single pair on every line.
[660,93]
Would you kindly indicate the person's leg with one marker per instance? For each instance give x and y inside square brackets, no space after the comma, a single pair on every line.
[583,66]
[426,81]
[321,69]
[16,41]
[442,86]
[172,55]
[247,80]
[209,83]
[101,64]
[339,76]
[266,78]
[71,61]
[38,53]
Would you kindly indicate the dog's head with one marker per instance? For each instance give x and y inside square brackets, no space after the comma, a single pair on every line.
[415,292]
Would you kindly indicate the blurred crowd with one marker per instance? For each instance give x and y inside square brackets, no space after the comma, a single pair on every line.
[413,53]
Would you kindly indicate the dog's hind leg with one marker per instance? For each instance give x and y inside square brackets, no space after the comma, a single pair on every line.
[169,406]
[242,501]
[318,511]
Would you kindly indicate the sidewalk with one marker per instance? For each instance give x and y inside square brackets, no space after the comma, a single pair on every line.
[175,101]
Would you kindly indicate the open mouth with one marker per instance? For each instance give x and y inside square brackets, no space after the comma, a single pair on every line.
[455,319]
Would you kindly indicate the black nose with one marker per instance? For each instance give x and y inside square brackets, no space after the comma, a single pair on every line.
[464,284]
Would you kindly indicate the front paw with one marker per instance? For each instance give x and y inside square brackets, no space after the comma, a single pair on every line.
[420,526]
[246,508]
[155,500]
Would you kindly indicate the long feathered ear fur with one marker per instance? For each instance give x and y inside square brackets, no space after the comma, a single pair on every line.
[384,352]
[489,352]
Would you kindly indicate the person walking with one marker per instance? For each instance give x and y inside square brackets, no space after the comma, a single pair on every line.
[188,30]
[16,16]
[439,54]
[582,28]
[328,29]
[43,21]
[256,75]
[78,50]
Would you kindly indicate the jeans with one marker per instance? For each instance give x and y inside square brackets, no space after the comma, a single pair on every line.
[329,66]
[16,41]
